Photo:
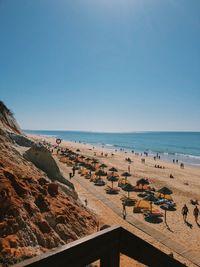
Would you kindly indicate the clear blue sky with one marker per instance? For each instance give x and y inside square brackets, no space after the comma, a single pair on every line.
[101,65]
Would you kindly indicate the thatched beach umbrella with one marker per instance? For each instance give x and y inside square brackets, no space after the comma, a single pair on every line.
[94,161]
[90,168]
[151,198]
[103,166]
[126,174]
[165,191]
[113,169]
[100,173]
[128,188]
[142,182]
[113,179]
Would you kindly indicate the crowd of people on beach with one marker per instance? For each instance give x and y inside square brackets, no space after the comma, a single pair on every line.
[159,166]
[184,210]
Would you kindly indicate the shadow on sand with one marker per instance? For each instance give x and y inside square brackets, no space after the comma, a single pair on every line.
[153,220]
[188,224]
[170,209]
[168,228]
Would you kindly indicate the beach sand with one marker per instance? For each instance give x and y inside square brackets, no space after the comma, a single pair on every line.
[185,186]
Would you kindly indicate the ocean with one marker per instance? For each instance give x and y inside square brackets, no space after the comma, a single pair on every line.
[182,146]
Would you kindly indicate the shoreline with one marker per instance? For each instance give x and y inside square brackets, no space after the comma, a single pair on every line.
[182,175]
[164,156]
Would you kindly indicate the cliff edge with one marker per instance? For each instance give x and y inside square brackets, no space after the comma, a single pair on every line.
[35,215]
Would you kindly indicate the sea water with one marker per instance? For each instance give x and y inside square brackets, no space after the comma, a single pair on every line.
[182,146]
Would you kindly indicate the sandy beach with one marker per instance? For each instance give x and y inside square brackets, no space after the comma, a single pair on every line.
[185,186]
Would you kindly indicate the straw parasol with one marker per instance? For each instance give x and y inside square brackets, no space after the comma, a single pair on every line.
[100,173]
[126,174]
[151,198]
[94,161]
[142,181]
[102,166]
[128,188]
[90,168]
[113,179]
[113,169]
[165,191]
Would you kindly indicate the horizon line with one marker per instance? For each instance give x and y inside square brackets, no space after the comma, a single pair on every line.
[116,132]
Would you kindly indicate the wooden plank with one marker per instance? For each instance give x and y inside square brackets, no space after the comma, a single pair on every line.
[78,253]
[105,245]
[138,249]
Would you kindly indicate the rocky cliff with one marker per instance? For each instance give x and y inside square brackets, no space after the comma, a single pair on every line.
[7,120]
[35,215]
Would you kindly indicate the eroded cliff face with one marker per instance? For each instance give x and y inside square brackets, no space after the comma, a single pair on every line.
[7,120]
[41,157]
[35,215]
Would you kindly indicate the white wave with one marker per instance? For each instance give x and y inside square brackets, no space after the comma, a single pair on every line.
[187,156]
[108,145]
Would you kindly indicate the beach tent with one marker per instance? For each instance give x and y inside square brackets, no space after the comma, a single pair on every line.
[141,205]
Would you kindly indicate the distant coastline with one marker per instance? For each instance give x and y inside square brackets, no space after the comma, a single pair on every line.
[181,146]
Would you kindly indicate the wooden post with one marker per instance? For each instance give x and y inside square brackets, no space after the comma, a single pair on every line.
[111,259]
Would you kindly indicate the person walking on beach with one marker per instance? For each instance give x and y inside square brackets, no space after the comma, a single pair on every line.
[185,212]
[86,202]
[196,214]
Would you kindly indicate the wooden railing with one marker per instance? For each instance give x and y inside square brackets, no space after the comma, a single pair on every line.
[106,246]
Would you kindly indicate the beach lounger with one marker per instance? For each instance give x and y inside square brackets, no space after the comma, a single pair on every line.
[169,205]
[152,214]
[99,183]
[160,201]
